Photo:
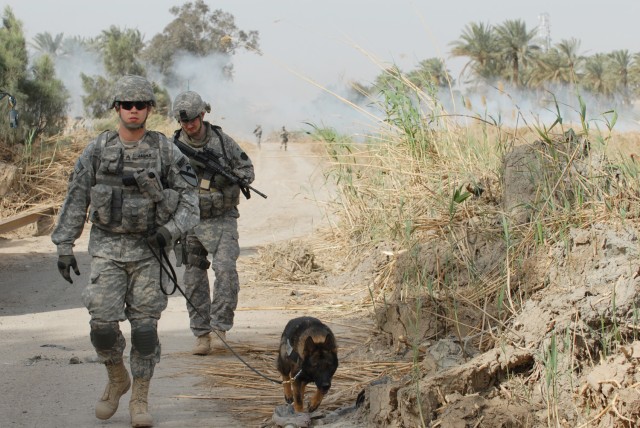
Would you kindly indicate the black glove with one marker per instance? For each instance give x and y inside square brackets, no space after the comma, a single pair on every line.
[65,263]
[161,238]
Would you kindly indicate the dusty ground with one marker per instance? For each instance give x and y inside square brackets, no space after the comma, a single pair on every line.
[568,356]
[48,375]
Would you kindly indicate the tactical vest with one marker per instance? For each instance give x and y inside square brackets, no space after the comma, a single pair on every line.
[118,203]
[218,195]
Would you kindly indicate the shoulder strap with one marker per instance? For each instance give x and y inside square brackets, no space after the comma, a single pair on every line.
[103,139]
[165,146]
[217,130]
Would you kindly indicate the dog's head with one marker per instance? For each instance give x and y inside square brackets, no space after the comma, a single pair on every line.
[320,361]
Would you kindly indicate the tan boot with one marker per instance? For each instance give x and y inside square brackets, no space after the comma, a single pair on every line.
[119,383]
[140,416]
[203,345]
[217,344]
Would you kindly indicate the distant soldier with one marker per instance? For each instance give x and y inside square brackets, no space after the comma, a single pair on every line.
[258,133]
[284,138]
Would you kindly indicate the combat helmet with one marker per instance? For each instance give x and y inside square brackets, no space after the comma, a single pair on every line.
[188,105]
[133,88]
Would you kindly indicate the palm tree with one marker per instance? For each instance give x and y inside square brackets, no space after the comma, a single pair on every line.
[561,64]
[121,51]
[516,46]
[570,52]
[50,45]
[620,66]
[478,43]
[595,77]
[634,73]
[431,72]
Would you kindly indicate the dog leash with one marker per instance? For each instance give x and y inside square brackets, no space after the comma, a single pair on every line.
[174,278]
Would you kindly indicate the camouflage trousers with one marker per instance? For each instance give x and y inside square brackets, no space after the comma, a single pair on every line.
[119,291]
[219,236]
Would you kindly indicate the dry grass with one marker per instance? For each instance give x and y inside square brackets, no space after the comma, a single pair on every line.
[253,398]
[44,169]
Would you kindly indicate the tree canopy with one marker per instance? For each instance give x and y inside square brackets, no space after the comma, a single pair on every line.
[199,31]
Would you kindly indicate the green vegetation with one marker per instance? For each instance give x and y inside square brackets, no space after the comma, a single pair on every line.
[462,209]
[512,54]
[43,99]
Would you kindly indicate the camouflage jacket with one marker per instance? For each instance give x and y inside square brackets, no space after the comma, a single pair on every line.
[107,241]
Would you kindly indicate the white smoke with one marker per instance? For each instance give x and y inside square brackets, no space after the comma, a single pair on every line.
[68,70]
[264,93]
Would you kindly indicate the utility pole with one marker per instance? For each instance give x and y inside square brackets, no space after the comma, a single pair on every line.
[544,30]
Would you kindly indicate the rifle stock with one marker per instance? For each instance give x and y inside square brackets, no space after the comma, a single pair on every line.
[209,160]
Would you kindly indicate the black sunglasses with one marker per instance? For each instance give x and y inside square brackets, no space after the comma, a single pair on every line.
[139,105]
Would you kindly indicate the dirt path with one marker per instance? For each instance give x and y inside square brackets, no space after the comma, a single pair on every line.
[49,377]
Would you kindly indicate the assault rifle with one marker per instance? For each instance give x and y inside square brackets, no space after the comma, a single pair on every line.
[209,161]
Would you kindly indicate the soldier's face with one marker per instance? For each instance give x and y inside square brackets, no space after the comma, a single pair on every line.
[133,118]
[192,127]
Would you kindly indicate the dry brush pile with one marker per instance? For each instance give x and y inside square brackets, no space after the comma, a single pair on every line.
[504,265]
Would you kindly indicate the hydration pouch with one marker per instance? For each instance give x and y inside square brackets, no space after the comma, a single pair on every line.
[100,210]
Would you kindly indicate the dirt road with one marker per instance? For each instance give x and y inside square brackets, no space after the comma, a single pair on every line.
[48,371]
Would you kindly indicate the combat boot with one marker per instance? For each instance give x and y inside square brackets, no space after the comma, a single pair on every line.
[119,384]
[218,344]
[140,416]
[203,345]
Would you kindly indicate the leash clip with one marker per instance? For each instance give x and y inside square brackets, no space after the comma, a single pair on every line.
[293,378]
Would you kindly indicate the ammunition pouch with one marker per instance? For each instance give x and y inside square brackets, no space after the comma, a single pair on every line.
[211,204]
[100,210]
[111,161]
[149,184]
[230,196]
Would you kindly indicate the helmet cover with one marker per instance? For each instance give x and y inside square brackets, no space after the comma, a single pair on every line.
[188,105]
[133,88]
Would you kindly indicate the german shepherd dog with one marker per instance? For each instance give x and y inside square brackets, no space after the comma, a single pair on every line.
[308,353]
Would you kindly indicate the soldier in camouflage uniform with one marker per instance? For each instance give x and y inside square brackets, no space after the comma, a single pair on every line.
[258,133]
[133,183]
[284,138]
[217,233]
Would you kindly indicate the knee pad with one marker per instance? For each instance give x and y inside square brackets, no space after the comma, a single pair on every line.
[145,340]
[103,338]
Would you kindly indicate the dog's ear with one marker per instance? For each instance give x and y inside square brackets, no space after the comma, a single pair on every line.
[309,345]
[330,342]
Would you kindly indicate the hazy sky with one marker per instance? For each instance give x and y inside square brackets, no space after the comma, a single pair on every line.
[326,43]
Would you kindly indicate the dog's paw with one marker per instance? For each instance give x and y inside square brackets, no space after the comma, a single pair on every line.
[289,399]
[313,407]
